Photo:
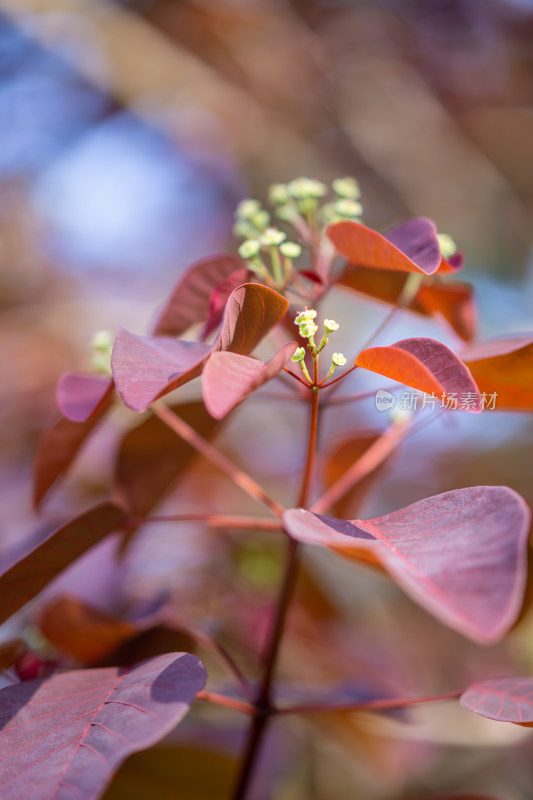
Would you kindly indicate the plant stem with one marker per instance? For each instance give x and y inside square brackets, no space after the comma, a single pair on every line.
[368,705]
[263,704]
[214,521]
[229,702]
[193,438]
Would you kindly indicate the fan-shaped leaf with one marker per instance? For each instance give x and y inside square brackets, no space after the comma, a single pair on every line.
[219,298]
[412,247]
[24,574]
[228,378]
[504,367]
[80,397]
[504,699]
[426,365]
[190,298]
[145,368]
[64,737]
[461,554]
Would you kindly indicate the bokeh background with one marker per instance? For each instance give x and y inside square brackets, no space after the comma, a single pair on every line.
[128,133]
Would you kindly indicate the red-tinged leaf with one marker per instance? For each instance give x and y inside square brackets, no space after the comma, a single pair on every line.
[84,633]
[189,300]
[10,651]
[81,397]
[146,368]
[219,297]
[503,699]
[228,378]
[425,365]
[57,449]
[65,736]
[450,300]
[452,263]
[462,555]
[412,247]
[504,366]
[24,574]
[151,458]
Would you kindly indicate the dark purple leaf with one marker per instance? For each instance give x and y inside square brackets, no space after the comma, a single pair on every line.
[503,699]
[228,378]
[146,368]
[462,555]
[25,573]
[428,366]
[64,737]
[189,300]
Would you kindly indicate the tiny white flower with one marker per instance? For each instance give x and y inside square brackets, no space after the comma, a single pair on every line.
[102,341]
[278,193]
[307,315]
[247,208]
[261,219]
[302,188]
[308,329]
[348,208]
[338,359]
[447,245]
[271,237]
[299,354]
[330,325]
[347,188]
[290,249]
[249,248]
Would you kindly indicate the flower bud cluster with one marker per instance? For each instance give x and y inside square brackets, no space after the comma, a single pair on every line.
[305,320]
[102,346]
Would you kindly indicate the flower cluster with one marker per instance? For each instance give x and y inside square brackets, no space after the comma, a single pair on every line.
[307,327]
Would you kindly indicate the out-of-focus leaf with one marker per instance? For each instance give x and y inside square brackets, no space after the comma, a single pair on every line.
[412,247]
[462,555]
[59,445]
[190,298]
[151,457]
[228,378]
[504,366]
[425,365]
[85,633]
[80,397]
[502,699]
[64,737]
[10,650]
[452,301]
[146,368]
[199,772]
[24,575]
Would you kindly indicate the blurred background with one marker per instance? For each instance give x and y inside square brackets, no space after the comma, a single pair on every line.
[128,133]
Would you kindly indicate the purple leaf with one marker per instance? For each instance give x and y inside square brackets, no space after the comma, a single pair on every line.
[228,378]
[146,368]
[503,699]
[428,366]
[24,574]
[80,397]
[64,737]
[461,554]
[190,299]
[219,297]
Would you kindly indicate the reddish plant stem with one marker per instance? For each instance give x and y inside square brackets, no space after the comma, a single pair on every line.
[370,705]
[228,702]
[263,704]
[336,380]
[238,477]
[372,458]
[296,377]
[214,521]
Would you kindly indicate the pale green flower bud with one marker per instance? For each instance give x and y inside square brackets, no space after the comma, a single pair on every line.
[308,329]
[101,362]
[272,237]
[247,208]
[330,325]
[287,212]
[102,341]
[249,248]
[290,249]
[347,187]
[348,208]
[307,315]
[299,354]
[338,359]
[245,229]
[278,193]
[261,219]
[447,245]
[301,188]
